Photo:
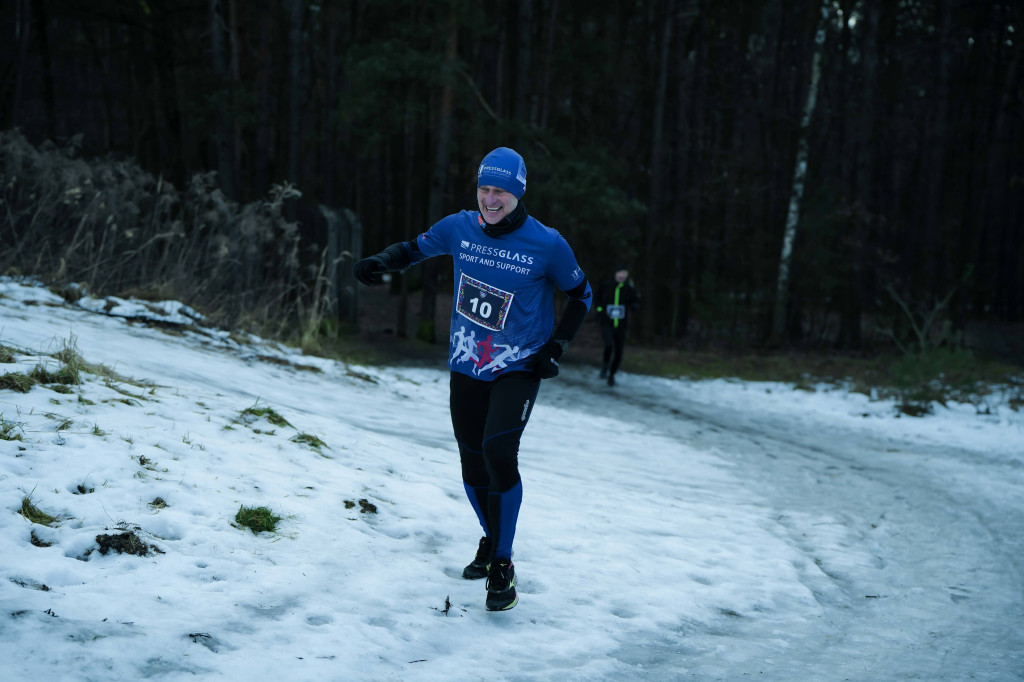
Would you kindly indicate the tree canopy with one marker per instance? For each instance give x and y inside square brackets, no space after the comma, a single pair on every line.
[660,132]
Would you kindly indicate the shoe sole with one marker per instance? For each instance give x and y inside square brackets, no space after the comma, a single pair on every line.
[501,606]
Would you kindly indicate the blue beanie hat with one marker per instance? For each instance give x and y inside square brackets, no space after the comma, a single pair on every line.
[503,168]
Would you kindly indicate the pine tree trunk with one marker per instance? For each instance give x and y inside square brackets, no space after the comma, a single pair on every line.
[174,150]
[524,76]
[931,230]
[49,95]
[549,55]
[409,156]
[264,151]
[24,30]
[224,133]
[328,116]
[861,182]
[427,330]
[236,84]
[295,51]
[657,176]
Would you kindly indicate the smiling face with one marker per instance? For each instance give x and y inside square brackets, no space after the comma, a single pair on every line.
[495,203]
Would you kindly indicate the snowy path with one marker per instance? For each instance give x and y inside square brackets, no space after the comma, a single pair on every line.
[912,549]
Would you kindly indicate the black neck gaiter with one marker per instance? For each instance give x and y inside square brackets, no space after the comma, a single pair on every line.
[513,221]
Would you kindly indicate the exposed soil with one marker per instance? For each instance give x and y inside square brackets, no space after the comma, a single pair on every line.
[126,543]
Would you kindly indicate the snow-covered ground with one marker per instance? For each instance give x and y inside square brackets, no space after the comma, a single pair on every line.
[712,530]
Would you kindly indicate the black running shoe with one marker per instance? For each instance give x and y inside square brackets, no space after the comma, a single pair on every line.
[501,586]
[481,563]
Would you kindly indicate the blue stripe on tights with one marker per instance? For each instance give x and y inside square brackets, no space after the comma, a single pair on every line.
[509,504]
[474,499]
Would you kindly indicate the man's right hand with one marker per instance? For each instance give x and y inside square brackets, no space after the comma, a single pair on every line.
[369,270]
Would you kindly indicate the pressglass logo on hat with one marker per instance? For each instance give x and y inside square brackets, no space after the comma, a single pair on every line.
[503,168]
[495,170]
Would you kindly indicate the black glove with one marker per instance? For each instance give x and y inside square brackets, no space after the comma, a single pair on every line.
[369,270]
[392,259]
[545,364]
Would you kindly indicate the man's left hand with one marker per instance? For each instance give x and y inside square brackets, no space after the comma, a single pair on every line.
[545,365]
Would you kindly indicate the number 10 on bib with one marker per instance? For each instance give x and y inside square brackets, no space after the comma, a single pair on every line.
[483,304]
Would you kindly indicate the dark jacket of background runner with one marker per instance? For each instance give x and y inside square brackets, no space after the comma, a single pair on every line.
[616,302]
[611,293]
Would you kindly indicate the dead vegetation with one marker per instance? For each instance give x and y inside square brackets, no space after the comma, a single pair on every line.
[107,227]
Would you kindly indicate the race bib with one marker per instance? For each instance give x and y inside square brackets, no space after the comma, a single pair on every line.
[483,304]
[615,312]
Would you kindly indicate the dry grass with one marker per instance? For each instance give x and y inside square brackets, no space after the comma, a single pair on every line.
[106,227]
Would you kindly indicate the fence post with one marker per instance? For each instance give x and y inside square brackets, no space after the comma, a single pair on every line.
[344,247]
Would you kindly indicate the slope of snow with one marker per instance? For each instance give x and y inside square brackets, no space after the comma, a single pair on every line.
[670,529]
